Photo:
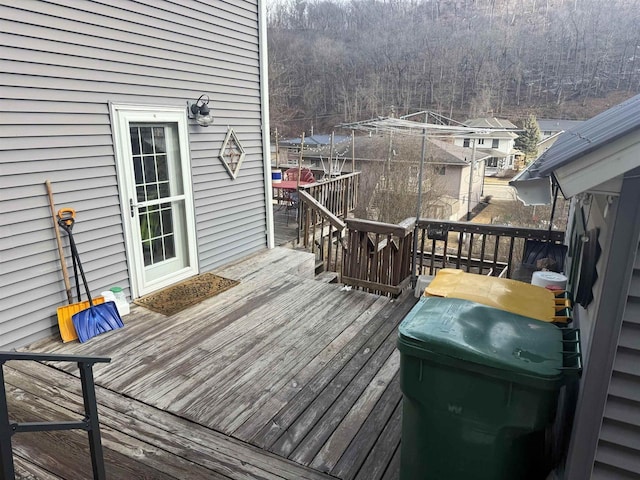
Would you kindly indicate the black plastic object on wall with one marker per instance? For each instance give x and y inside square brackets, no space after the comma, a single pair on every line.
[588,273]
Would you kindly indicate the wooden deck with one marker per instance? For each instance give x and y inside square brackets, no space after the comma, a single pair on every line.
[282,376]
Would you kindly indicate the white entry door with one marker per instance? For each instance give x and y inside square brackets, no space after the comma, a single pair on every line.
[154,177]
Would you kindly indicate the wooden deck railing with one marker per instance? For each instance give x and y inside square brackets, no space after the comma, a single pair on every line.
[339,195]
[322,209]
[322,232]
[476,247]
[377,256]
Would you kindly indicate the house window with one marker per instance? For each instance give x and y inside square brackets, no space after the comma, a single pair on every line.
[440,170]
[481,141]
[466,142]
[492,162]
[495,143]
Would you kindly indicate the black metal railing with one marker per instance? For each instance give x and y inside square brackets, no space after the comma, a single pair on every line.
[89,423]
[476,247]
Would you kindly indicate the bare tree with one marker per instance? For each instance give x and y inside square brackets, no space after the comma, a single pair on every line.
[333,61]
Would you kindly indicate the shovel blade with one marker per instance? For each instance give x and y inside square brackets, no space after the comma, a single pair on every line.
[96,320]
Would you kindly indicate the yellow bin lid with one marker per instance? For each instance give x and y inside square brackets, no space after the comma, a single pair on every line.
[503,293]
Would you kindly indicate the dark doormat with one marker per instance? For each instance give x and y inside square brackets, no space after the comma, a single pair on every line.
[177,297]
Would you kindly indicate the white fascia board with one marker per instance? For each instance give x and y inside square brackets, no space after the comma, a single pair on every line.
[600,166]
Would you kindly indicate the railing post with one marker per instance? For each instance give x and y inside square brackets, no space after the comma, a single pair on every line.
[91,412]
[6,452]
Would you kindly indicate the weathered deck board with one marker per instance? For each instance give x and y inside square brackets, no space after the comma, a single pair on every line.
[308,406]
[191,442]
[340,438]
[278,350]
[279,377]
[354,456]
[330,417]
[64,450]
[25,470]
[302,349]
[383,454]
[289,390]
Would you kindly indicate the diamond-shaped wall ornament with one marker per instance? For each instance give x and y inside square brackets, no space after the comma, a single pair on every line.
[231,153]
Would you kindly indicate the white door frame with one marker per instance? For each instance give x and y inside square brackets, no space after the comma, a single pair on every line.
[122,115]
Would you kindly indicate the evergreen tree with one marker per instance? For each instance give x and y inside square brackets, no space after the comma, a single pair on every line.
[528,139]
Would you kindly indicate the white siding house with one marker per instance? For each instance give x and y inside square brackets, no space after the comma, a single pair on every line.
[496,142]
[94,98]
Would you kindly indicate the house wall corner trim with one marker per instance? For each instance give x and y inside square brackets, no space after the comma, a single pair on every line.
[264,103]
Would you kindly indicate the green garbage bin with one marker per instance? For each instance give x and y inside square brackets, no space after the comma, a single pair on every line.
[480,388]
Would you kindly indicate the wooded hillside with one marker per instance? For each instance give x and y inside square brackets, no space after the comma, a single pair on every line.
[339,61]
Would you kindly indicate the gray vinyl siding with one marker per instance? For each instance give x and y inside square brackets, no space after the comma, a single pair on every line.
[593,213]
[618,452]
[62,63]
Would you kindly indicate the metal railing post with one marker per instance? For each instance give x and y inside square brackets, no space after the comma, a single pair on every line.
[6,452]
[89,423]
[91,412]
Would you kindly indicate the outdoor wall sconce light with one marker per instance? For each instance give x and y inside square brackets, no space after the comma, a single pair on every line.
[200,111]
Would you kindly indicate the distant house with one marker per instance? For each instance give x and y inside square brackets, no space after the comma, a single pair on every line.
[551,130]
[546,142]
[597,165]
[552,126]
[95,99]
[446,175]
[497,143]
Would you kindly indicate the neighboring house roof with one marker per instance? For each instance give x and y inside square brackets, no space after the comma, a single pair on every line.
[496,134]
[490,122]
[316,140]
[491,125]
[448,153]
[547,142]
[404,148]
[492,152]
[591,135]
[557,125]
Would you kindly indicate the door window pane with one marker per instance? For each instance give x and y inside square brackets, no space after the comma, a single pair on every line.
[150,164]
[157,233]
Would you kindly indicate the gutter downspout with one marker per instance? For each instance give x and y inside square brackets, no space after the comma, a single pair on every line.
[264,107]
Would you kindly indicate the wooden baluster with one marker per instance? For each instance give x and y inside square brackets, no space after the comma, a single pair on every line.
[374,273]
[329,253]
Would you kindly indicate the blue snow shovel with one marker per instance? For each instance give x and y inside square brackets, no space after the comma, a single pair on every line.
[96,319]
